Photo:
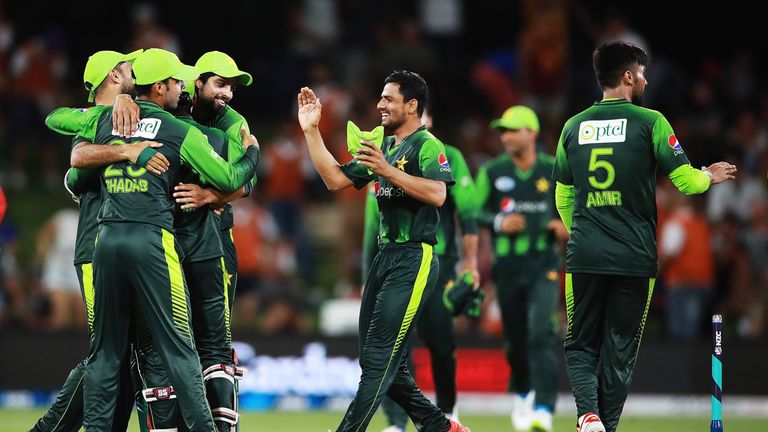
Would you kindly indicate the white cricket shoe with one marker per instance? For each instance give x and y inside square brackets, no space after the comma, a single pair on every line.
[393,428]
[541,421]
[590,422]
[522,412]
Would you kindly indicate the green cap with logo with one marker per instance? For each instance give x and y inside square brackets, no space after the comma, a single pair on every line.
[517,117]
[156,65]
[220,64]
[98,66]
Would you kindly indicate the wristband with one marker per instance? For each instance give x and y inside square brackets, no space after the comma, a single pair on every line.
[145,156]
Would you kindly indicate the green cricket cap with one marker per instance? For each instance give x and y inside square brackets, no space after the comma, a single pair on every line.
[218,63]
[517,117]
[155,65]
[98,66]
[189,88]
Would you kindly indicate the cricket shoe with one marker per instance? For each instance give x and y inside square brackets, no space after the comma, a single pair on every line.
[457,427]
[541,421]
[394,428]
[590,422]
[522,412]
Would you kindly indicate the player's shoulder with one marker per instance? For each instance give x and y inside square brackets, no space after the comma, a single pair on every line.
[228,117]
[452,152]
[546,159]
[496,162]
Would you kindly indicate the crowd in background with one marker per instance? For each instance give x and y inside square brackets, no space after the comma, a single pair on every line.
[299,245]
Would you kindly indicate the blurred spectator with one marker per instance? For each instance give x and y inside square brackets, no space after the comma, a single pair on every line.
[56,253]
[687,267]
[37,67]
[255,235]
[734,292]
[543,45]
[3,204]
[12,295]
[148,33]
[286,167]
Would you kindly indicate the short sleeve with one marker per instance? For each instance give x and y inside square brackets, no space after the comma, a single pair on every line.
[357,173]
[666,147]
[433,162]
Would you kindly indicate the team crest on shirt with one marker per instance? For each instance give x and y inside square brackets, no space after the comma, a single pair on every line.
[401,163]
[542,185]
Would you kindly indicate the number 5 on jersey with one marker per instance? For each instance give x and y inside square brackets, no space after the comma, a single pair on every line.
[603,197]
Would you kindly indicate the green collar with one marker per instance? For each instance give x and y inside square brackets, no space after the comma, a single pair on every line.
[612,101]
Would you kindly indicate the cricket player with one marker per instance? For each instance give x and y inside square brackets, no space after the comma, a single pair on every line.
[412,175]
[107,75]
[605,169]
[435,327]
[517,200]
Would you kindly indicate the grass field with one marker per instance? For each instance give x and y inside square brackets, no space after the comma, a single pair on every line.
[22,420]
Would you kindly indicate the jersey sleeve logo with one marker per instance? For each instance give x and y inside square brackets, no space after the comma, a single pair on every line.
[442,160]
[674,143]
[602,131]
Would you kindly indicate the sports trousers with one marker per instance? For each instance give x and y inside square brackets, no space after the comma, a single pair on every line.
[528,301]
[135,262]
[606,318]
[400,278]
[66,413]
[435,328]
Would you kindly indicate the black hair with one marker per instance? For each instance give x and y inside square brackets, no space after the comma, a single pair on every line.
[611,59]
[204,76]
[412,86]
[146,89]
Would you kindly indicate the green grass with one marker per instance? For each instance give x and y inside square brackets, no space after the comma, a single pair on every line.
[22,420]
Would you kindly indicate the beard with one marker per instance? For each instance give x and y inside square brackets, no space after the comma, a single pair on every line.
[129,89]
[637,98]
[210,105]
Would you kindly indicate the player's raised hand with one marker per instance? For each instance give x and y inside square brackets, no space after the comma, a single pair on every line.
[248,139]
[309,109]
[720,172]
[125,116]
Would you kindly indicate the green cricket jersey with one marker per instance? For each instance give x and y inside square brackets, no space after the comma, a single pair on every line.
[502,189]
[460,201]
[230,121]
[609,153]
[130,193]
[85,185]
[402,218]
[197,230]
